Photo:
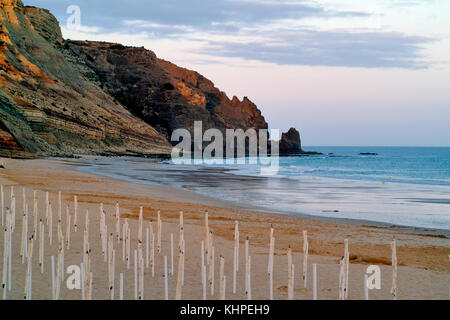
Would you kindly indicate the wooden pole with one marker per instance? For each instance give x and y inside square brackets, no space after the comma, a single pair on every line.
[140,226]
[86,222]
[346,269]
[128,246]
[271,256]
[83,281]
[47,207]
[100,226]
[35,215]
[68,225]
[60,238]
[50,224]
[86,252]
[75,213]
[249,278]
[90,285]
[85,258]
[124,232]
[293,281]
[246,265]
[182,262]
[135,276]
[86,281]
[366,289]
[88,274]
[341,279]
[207,233]
[171,255]
[141,275]
[118,222]
[290,276]
[121,286]
[270,248]
[59,206]
[204,282]
[221,278]
[147,247]
[11,230]
[211,265]
[394,269]
[13,209]
[159,226]
[2,193]
[166,286]
[181,246]
[212,268]
[179,287]
[203,269]
[236,254]
[7,229]
[152,249]
[103,232]
[111,266]
[41,245]
[113,274]
[24,237]
[24,200]
[202,256]
[53,279]
[27,291]
[84,290]
[314,281]
[60,268]
[305,257]
[58,276]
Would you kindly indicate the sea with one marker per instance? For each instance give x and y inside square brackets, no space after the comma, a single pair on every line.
[394,186]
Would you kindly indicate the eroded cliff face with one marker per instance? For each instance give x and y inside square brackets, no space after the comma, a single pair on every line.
[62,97]
[164,95]
[48,105]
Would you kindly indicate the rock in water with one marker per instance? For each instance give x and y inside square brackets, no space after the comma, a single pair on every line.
[290,143]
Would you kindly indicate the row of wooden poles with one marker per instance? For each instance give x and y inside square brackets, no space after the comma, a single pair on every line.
[143,260]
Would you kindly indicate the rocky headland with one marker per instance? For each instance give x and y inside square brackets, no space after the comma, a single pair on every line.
[60,97]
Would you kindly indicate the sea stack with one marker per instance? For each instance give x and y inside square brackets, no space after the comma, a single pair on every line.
[290,143]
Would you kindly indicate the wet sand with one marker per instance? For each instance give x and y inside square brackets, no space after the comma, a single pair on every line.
[424,266]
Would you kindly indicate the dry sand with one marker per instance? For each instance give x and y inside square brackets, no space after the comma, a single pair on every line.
[423,257]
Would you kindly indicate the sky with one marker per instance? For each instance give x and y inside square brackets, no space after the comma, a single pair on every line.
[343,72]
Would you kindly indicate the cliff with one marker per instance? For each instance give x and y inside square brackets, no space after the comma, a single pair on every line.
[47,104]
[162,94]
[60,98]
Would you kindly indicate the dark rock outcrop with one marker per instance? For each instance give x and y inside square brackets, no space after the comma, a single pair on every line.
[290,143]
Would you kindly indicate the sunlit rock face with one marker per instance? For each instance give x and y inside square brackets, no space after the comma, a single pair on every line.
[48,106]
[62,97]
[164,95]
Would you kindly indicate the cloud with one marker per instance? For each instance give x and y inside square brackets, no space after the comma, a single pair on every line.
[341,49]
[254,30]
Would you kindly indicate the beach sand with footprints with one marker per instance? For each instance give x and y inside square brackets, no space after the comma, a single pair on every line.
[423,257]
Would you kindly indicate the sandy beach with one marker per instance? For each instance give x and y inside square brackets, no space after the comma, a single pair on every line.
[423,257]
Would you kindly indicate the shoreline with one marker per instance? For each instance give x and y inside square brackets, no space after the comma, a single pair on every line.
[201,199]
[423,259]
